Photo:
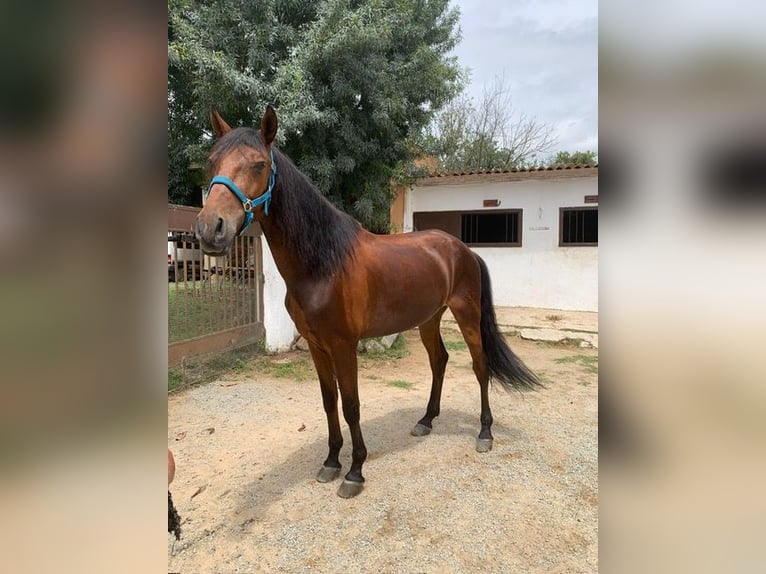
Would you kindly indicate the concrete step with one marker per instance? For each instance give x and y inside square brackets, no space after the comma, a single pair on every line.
[549,325]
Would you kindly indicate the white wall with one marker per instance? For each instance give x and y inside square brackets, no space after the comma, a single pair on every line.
[280,329]
[539,273]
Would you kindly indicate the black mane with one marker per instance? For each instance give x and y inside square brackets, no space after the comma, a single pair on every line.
[319,234]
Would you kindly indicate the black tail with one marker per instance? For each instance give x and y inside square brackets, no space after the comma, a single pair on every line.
[503,365]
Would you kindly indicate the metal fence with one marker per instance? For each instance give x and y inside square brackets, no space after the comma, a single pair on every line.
[214,303]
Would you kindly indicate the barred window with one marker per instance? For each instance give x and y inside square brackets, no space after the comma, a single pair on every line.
[496,228]
[491,228]
[578,226]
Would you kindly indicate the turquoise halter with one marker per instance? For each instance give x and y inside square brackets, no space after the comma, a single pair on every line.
[248,204]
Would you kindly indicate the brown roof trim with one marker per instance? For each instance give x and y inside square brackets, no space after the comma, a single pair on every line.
[513,170]
[513,174]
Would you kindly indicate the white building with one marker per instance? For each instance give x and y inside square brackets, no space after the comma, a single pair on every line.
[537,230]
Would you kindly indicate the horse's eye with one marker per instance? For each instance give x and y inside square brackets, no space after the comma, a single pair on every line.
[259,166]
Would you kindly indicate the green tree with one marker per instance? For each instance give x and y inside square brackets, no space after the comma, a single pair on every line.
[185,132]
[351,82]
[576,158]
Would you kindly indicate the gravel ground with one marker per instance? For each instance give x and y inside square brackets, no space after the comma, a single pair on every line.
[248,447]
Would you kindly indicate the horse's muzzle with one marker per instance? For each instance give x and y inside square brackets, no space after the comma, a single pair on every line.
[214,234]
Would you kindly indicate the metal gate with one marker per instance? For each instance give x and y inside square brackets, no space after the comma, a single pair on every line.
[214,303]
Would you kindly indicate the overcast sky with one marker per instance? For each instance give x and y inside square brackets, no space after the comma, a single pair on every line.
[548,52]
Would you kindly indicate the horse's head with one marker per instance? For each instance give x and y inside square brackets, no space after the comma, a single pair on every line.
[243,172]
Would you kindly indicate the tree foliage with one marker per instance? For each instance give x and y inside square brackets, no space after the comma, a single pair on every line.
[351,80]
[485,135]
[575,158]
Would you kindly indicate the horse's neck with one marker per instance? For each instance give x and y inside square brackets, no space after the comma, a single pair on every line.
[290,268]
[312,246]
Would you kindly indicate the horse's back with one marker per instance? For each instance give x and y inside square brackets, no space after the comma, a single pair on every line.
[433,249]
[408,277]
[436,241]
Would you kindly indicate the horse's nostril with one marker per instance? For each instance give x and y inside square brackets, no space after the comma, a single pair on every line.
[219,227]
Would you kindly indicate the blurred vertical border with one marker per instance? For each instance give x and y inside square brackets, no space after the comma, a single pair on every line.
[83,172]
[682,426]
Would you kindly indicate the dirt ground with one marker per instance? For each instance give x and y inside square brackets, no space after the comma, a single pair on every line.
[247,449]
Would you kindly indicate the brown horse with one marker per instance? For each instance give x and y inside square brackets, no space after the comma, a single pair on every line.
[345,284]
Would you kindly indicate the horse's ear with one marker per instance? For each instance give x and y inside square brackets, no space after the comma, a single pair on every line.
[220,127]
[269,125]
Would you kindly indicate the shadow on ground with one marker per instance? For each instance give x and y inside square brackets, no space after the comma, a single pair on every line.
[385,436]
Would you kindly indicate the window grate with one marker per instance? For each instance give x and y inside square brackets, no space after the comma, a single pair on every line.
[495,228]
[578,226]
[490,228]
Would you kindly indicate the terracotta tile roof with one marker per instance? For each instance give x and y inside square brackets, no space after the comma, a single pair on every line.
[593,166]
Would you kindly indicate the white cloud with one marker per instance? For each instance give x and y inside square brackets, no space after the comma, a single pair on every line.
[548,52]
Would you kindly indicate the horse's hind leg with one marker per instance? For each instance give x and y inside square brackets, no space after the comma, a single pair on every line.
[431,337]
[467,312]
[323,363]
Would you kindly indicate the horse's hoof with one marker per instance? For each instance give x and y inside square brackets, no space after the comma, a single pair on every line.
[328,474]
[420,430]
[484,444]
[349,488]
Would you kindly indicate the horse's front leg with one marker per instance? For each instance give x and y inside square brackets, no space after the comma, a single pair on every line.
[323,363]
[344,360]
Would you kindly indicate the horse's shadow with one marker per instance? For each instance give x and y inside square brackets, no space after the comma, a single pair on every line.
[385,436]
